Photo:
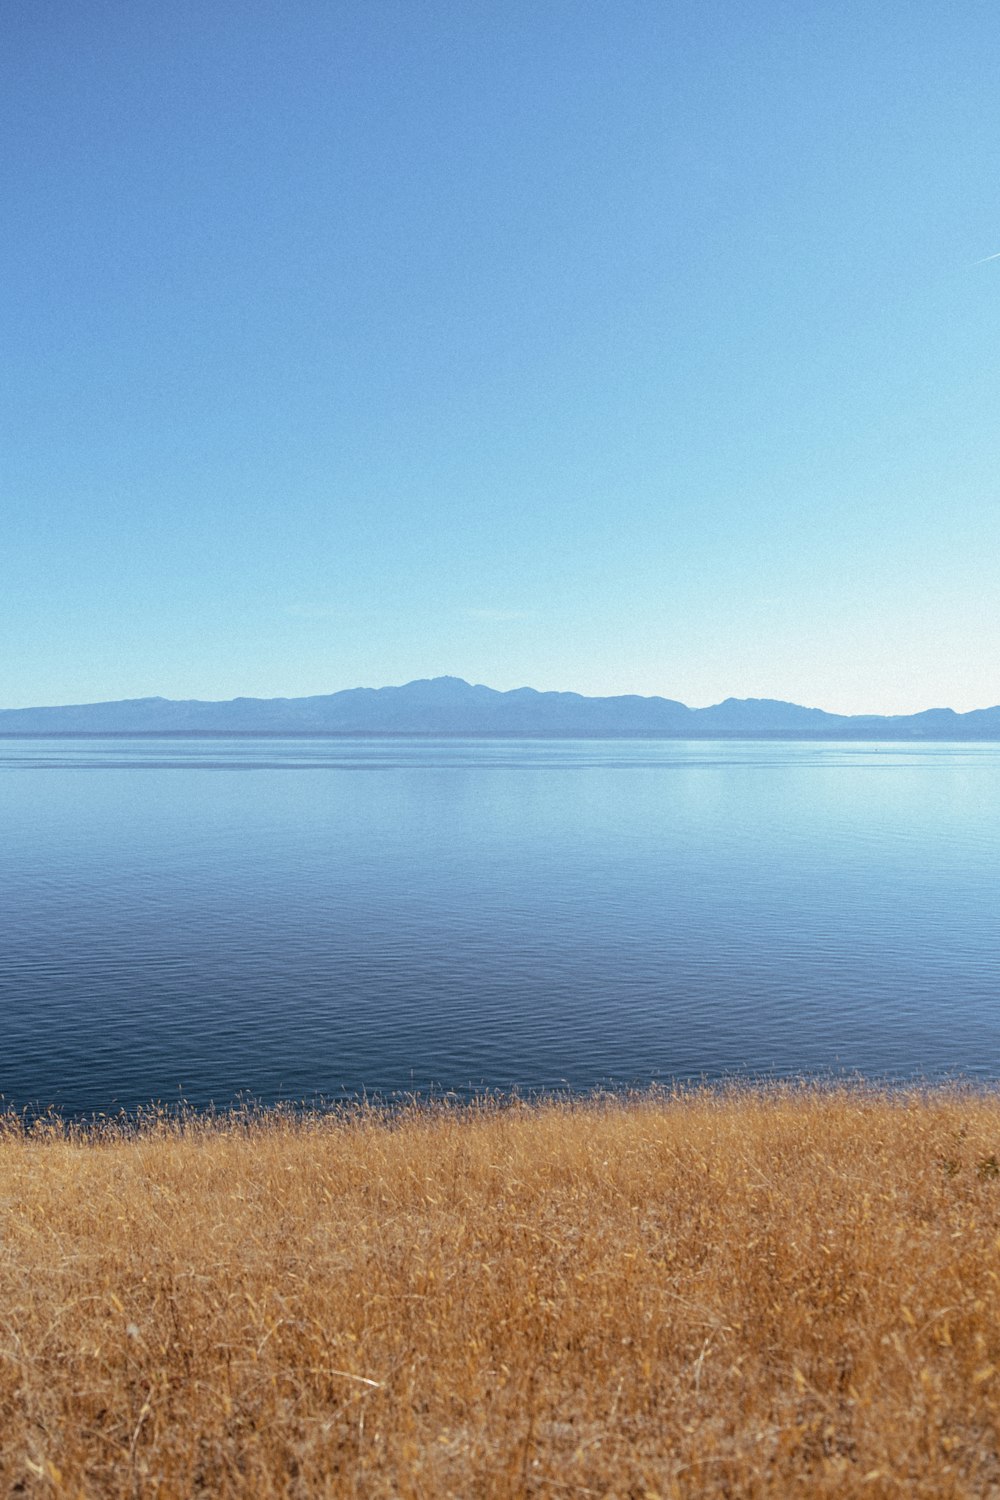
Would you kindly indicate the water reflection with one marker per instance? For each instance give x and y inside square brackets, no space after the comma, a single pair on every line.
[471,913]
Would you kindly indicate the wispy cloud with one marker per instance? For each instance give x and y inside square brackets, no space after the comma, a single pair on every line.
[498,616]
[323,612]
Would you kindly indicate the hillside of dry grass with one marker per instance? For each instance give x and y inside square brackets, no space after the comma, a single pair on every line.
[759,1294]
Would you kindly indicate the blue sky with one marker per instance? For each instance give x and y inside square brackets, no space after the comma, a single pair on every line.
[590,344]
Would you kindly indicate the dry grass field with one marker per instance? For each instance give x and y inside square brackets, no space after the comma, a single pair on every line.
[771,1293]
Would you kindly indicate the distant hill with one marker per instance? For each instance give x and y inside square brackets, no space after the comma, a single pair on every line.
[448,705]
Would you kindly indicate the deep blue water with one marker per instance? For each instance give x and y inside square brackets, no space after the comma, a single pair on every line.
[208,917]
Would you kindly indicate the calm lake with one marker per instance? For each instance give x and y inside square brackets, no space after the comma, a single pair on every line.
[287,918]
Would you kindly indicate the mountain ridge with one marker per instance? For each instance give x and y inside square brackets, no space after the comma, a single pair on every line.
[450,705]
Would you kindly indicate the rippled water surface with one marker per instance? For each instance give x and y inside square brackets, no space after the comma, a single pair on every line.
[286,918]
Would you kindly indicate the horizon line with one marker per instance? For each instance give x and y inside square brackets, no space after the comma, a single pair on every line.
[503,692]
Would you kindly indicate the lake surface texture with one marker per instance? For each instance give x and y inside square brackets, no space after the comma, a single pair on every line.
[201,918]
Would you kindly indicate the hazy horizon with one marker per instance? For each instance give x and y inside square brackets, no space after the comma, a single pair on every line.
[437,677]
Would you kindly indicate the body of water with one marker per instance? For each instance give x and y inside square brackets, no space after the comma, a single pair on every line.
[201,918]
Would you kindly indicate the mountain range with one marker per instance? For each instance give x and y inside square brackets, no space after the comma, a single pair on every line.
[448,705]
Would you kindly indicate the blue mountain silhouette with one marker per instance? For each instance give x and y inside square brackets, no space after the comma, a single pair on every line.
[449,705]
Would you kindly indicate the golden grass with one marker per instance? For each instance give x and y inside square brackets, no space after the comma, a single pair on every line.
[769,1293]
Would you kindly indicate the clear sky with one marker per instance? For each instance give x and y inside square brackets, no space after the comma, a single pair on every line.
[613,345]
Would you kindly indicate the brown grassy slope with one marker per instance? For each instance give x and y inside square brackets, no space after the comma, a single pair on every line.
[759,1295]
